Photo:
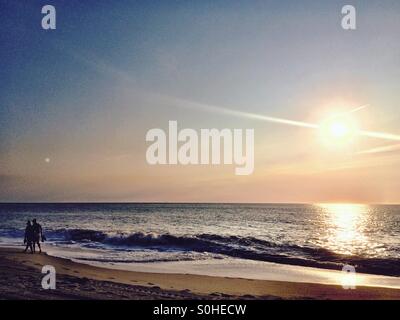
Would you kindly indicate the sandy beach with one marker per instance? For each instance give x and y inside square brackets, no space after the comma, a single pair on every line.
[21,279]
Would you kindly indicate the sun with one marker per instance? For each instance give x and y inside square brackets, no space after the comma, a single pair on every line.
[338,130]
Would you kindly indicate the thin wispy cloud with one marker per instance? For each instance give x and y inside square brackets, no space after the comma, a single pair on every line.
[103,67]
[390,148]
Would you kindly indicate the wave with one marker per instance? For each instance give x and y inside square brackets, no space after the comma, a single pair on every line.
[233,246]
[81,235]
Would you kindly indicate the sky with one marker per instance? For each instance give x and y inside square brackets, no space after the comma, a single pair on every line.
[76,102]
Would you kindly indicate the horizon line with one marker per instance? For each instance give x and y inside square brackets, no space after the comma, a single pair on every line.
[189,202]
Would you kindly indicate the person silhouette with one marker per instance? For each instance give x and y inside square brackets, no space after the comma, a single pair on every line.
[37,235]
[28,239]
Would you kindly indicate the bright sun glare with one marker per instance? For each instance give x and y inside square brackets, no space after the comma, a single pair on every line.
[338,130]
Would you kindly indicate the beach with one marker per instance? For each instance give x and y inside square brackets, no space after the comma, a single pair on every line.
[21,279]
[200,150]
[203,251]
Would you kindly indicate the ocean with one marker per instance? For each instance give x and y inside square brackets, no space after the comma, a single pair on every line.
[321,235]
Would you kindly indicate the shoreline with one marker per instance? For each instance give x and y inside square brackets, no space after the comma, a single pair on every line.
[82,281]
[238,268]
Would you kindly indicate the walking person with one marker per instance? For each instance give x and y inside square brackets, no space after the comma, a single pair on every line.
[37,235]
[28,239]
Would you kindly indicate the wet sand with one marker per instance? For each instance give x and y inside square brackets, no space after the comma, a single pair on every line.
[21,279]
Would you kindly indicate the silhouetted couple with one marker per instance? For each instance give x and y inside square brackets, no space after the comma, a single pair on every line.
[33,235]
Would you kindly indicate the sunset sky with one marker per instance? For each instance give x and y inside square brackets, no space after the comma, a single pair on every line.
[76,102]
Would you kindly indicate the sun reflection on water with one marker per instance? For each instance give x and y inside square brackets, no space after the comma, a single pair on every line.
[345,226]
